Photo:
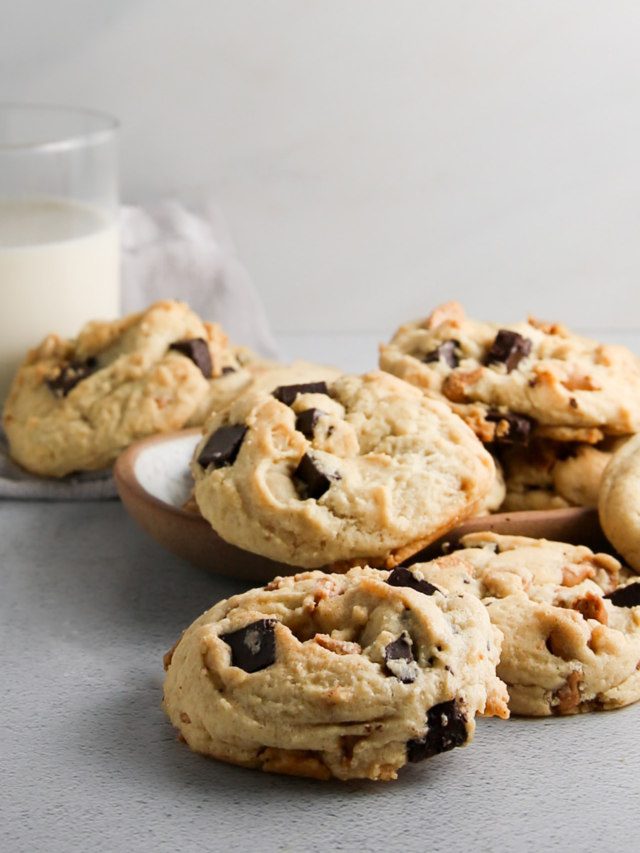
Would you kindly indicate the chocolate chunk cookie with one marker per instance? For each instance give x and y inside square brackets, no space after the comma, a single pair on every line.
[551,474]
[358,470]
[76,404]
[514,382]
[619,501]
[335,675]
[570,619]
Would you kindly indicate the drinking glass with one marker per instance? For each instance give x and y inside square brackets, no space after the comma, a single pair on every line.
[59,242]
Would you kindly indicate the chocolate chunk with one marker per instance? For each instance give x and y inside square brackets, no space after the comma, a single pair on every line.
[625,596]
[307,420]
[197,350]
[348,744]
[226,370]
[445,730]
[518,426]
[403,577]
[446,351]
[287,393]
[310,482]
[254,646]
[70,375]
[508,348]
[399,659]
[222,447]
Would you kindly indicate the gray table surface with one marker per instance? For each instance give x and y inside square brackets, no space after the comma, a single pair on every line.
[89,604]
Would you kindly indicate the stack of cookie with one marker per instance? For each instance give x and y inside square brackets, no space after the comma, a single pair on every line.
[551,405]
[364,661]
[361,470]
[346,675]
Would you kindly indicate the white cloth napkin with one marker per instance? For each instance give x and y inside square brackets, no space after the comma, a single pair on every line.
[172,250]
[185,252]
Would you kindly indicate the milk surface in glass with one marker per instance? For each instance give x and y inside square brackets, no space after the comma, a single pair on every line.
[59,268]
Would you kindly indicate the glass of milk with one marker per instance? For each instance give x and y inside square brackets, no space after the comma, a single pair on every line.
[59,246]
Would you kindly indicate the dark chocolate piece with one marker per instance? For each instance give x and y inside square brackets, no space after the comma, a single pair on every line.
[625,596]
[508,348]
[310,482]
[287,393]
[307,420]
[70,375]
[223,446]
[520,426]
[403,577]
[445,351]
[348,744]
[445,730]
[197,350]
[226,370]
[254,646]
[399,659]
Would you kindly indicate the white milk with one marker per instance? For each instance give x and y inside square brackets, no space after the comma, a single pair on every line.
[59,267]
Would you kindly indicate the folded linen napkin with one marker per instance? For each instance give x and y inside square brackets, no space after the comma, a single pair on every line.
[18,484]
[172,250]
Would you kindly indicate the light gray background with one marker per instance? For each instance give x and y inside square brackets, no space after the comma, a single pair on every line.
[374,158]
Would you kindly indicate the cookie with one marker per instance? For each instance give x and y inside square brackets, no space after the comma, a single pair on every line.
[364,469]
[551,474]
[619,501]
[570,620]
[74,405]
[497,493]
[526,379]
[335,675]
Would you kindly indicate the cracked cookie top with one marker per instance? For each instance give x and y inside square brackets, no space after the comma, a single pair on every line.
[345,675]
[354,470]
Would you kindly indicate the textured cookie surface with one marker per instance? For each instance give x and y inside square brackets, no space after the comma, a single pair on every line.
[74,405]
[326,675]
[570,620]
[527,378]
[619,501]
[365,469]
[549,474]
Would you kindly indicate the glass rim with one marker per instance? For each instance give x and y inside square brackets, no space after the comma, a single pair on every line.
[109,125]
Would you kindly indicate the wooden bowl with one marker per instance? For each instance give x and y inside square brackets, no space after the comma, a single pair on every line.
[154,482]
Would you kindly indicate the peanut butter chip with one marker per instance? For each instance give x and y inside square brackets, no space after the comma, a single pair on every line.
[340,647]
[569,694]
[591,607]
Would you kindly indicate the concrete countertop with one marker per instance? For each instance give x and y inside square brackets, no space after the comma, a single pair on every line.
[89,762]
